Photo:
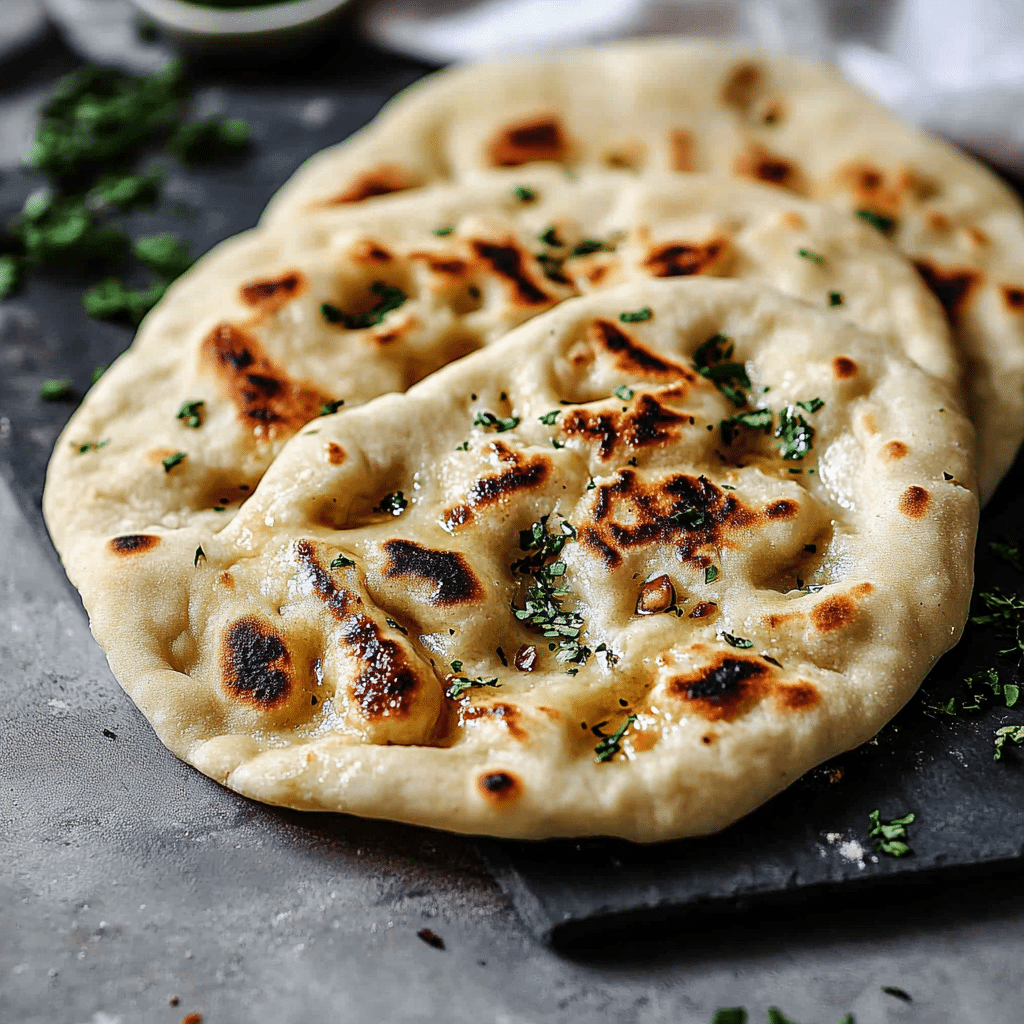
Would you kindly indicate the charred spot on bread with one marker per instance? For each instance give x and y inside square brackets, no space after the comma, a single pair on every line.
[761,164]
[381,180]
[508,261]
[1013,296]
[914,502]
[952,286]
[133,543]
[499,786]
[540,137]
[836,612]
[630,355]
[453,581]
[683,259]
[256,665]
[844,367]
[271,294]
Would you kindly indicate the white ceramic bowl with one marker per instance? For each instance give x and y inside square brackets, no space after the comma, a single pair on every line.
[280,26]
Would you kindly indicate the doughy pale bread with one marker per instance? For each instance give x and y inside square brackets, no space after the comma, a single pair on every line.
[699,106]
[302,654]
[244,331]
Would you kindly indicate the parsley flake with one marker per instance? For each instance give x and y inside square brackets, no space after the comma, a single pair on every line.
[760,419]
[795,432]
[877,220]
[524,193]
[342,562]
[464,447]
[488,421]
[712,360]
[835,298]
[1007,734]
[806,254]
[548,419]
[91,446]
[461,685]
[191,413]
[737,641]
[55,390]
[637,317]
[550,237]
[623,392]
[812,405]
[443,232]
[611,745]
[173,460]
[711,574]
[589,245]
[889,836]
[389,298]
[393,504]
[332,314]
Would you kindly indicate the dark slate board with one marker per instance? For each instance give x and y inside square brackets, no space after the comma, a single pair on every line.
[799,846]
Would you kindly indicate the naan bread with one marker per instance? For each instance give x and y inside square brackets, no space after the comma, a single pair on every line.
[659,106]
[245,331]
[302,654]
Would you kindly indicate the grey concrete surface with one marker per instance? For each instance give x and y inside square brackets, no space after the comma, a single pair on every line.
[127,879]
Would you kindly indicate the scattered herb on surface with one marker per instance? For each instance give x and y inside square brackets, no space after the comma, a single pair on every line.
[456,666]
[624,392]
[795,433]
[590,245]
[443,232]
[877,220]
[712,360]
[759,419]
[737,641]
[611,745]
[91,446]
[637,317]
[332,314]
[464,447]
[393,504]
[488,421]
[1007,734]
[125,192]
[342,562]
[191,413]
[550,237]
[806,254]
[835,298]
[548,419]
[889,835]
[55,390]
[330,408]
[551,266]
[461,685]
[173,460]
[524,193]
[711,574]
[389,298]
[812,404]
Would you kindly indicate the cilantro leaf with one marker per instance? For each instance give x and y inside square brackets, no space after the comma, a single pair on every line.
[165,254]
[192,414]
[806,254]
[342,562]
[548,419]
[389,298]
[812,404]
[524,193]
[461,685]
[173,460]
[330,408]
[611,745]
[488,421]
[1007,734]
[835,298]
[637,317]
[795,432]
[126,192]
[877,220]
[711,574]
[737,641]
[393,504]
[712,360]
[889,835]
[623,392]
[759,419]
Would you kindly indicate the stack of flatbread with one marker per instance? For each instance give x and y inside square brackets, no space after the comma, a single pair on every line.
[590,445]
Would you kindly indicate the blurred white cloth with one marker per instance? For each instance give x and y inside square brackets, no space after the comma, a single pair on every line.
[955,66]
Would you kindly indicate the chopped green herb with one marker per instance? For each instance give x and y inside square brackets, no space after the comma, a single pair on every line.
[65,233]
[542,608]
[548,419]
[552,267]
[390,298]
[456,666]
[812,405]
[55,390]
[591,484]
[711,574]
[760,419]
[796,434]
[192,414]
[732,1015]
[524,193]
[637,317]
[332,314]
[464,447]
[172,460]
[712,361]
[112,299]
[877,220]
[1007,734]
[443,232]
[342,562]
[488,421]
[550,237]
[806,254]
[200,553]
[835,298]
[393,504]
[461,685]
[889,836]
[330,408]
[555,443]
[91,446]
[737,641]
[611,745]
[126,192]
[165,254]
[589,245]
[10,275]
[215,138]
[623,392]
